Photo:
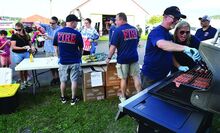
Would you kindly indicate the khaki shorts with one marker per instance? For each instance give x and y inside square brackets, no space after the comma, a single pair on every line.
[71,70]
[124,70]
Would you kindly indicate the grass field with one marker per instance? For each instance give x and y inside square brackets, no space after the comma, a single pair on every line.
[45,113]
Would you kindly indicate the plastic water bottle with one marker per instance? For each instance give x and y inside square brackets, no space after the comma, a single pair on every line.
[31,57]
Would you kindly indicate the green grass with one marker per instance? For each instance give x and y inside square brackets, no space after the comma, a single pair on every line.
[144,37]
[45,113]
[216,124]
[103,38]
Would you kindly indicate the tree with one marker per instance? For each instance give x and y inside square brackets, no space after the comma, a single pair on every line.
[154,20]
[215,17]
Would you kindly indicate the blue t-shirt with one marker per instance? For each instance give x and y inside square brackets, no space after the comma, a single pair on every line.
[48,44]
[182,58]
[69,42]
[157,62]
[112,28]
[126,39]
[207,34]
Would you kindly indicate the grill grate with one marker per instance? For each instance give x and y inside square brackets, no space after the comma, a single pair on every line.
[197,78]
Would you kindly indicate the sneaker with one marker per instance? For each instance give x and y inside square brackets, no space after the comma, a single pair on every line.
[57,81]
[63,99]
[18,81]
[122,99]
[23,86]
[28,84]
[73,101]
[53,82]
[29,78]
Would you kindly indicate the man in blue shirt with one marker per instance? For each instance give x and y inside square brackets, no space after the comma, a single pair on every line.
[68,45]
[207,31]
[112,28]
[50,30]
[125,39]
[158,53]
[139,30]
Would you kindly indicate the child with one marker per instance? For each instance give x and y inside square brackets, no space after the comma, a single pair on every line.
[5,47]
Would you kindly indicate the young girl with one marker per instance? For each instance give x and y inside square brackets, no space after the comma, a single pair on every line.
[5,47]
[90,36]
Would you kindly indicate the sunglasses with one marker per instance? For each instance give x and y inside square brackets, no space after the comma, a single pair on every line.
[18,29]
[204,20]
[183,32]
[52,23]
[174,18]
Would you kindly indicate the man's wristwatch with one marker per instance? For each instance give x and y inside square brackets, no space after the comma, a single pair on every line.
[109,58]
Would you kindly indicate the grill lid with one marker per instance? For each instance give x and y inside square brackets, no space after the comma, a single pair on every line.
[209,100]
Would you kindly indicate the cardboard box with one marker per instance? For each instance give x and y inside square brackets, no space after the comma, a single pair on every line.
[113,83]
[112,91]
[93,83]
[130,81]
[6,76]
[93,77]
[131,90]
[111,75]
[92,94]
[112,78]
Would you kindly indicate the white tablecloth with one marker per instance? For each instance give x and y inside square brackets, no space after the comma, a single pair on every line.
[39,63]
[48,63]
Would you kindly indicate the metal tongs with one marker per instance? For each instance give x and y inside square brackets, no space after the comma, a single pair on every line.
[201,63]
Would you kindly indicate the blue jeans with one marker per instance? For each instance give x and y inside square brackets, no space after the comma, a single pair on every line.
[18,57]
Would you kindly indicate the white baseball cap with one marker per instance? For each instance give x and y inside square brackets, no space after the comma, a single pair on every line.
[205,18]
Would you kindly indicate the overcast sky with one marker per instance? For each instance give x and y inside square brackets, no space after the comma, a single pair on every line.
[191,8]
[60,8]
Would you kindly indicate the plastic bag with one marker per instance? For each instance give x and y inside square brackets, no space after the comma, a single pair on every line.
[93,47]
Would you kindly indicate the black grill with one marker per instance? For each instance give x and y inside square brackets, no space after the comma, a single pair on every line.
[197,78]
[180,87]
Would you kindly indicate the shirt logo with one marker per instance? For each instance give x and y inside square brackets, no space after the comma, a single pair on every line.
[130,34]
[206,33]
[69,38]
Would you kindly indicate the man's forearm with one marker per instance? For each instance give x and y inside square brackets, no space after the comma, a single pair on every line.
[56,50]
[111,51]
[170,46]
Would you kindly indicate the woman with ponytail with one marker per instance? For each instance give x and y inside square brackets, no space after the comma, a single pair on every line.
[21,46]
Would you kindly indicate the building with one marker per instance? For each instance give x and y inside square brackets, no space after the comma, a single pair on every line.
[36,18]
[100,11]
[6,24]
